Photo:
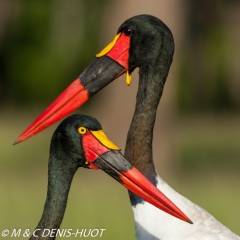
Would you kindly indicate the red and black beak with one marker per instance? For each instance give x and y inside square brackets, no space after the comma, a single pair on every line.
[101,153]
[108,65]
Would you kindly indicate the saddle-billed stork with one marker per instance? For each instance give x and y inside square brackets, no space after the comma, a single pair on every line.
[79,141]
[145,42]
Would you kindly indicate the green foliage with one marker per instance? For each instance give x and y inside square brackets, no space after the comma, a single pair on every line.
[46,46]
[209,142]
[207,69]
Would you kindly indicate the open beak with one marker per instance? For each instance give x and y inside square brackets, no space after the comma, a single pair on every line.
[101,153]
[108,65]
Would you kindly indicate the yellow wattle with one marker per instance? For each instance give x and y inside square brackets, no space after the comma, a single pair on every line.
[128,78]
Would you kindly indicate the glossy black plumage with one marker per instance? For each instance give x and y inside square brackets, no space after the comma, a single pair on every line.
[152,48]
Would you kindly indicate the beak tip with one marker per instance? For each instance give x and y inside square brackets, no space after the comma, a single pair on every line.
[19,140]
[190,221]
[16,142]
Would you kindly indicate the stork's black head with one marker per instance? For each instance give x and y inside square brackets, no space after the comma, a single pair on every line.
[150,38]
[66,144]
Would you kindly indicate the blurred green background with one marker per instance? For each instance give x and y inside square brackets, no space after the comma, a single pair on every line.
[44,45]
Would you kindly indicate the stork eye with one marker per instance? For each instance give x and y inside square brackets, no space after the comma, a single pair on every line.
[82,130]
[127,31]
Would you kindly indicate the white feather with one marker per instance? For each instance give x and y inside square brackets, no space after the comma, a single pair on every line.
[152,223]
